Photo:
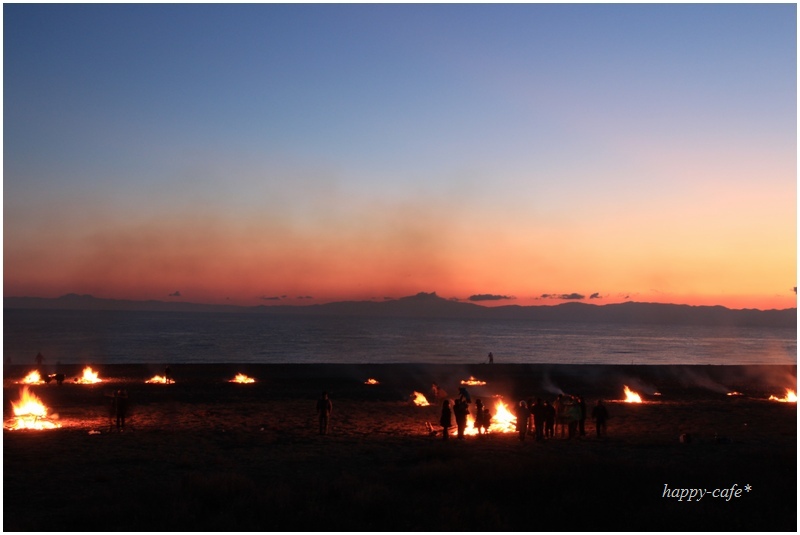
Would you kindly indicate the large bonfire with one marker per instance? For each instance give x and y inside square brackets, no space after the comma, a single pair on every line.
[89,377]
[631,396]
[790,397]
[33,378]
[30,413]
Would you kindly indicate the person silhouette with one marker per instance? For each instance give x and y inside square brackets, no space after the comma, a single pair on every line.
[446,419]
[324,410]
[600,416]
[120,402]
[491,358]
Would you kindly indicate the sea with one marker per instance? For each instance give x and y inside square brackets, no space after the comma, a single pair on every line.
[137,337]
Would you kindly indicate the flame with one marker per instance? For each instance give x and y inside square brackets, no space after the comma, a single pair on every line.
[158,380]
[734,394]
[32,378]
[790,397]
[503,421]
[371,381]
[240,378]
[89,377]
[631,396]
[420,400]
[473,382]
[30,413]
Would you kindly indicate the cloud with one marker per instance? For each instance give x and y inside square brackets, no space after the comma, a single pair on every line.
[489,297]
[176,293]
[304,297]
[595,295]
[270,298]
[567,297]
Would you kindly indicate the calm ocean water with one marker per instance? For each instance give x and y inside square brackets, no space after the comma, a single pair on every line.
[117,337]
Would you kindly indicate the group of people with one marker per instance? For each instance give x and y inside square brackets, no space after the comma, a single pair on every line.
[533,417]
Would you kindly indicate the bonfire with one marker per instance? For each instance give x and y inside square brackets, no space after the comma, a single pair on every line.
[503,421]
[371,381]
[30,413]
[734,394]
[89,377]
[790,397]
[160,380]
[242,378]
[473,382]
[631,396]
[420,400]
[32,378]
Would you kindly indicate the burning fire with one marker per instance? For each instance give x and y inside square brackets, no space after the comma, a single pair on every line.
[473,382]
[503,421]
[158,379]
[89,377]
[371,381]
[240,378]
[420,400]
[631,396]
[790,397]
[32,378]
[735,394]
[30,413]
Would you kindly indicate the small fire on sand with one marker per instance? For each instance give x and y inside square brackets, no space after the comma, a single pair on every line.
[790,397]
[30,413]
[89,377]
[420,400]
[371,381]
[734,394]
[631,396]
[242,378]
[473,382]
[158,379]
[32,378]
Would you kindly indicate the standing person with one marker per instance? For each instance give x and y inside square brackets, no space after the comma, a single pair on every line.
[600,416]
[582,421]
[480,417]
[39,360]
[461,411]
[120,408]
[446,419]
[538,419]
[324,410]
[549,420]
[491,358]
[522,419]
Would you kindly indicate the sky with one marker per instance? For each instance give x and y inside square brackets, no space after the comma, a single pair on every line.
[526,154]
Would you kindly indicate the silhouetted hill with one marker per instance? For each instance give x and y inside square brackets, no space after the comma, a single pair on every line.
[430,305]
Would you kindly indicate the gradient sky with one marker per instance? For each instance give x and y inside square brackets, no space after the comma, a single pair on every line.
[527,153]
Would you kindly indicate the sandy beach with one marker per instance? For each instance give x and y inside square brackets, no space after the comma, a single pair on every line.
[205,454]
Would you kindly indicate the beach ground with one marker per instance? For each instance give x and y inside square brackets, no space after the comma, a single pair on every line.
[205,454]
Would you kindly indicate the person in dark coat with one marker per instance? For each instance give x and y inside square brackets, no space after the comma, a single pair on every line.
[120,402]
[480,417]
[538,419]
[522,419]
[446,419]
[324,410]
[461,411]
[582,421]
[549,420]
[600,416]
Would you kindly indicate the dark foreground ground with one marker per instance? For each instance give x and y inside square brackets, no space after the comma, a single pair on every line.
[208,455]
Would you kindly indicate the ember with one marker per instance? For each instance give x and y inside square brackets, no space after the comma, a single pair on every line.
[89,377]
[420,400]
[371,381]
[32,378]
[473,382]
[631,396]
[241,378]
[790,397]
[30,413]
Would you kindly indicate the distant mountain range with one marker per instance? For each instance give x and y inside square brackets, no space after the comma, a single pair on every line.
[430,305]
